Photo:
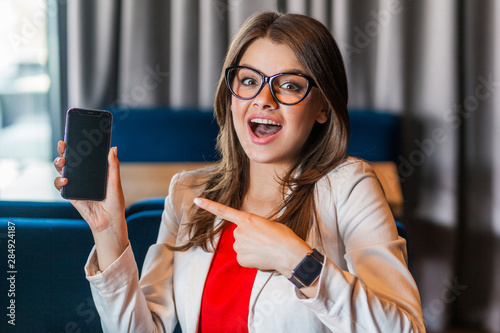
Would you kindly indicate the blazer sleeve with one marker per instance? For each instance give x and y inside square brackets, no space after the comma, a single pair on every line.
[377,293]
[127,305]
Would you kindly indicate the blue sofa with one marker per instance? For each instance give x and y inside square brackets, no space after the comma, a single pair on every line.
[51,293]
[375,136]
[164,135]
[59,209]
[48,287]
[52,242]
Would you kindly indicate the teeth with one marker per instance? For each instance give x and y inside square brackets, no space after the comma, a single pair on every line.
[264,121]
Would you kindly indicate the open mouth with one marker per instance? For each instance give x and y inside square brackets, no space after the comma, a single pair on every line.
[263,128]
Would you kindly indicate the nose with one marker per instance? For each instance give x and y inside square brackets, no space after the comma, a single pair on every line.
[265,99]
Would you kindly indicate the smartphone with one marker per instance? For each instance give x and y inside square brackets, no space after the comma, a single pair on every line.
[88,137]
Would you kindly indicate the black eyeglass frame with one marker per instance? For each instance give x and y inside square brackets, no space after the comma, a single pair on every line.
[269,81]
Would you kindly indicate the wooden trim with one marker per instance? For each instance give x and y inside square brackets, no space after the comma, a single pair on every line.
[145,180]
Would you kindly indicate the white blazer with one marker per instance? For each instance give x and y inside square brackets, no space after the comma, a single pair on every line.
[364,286]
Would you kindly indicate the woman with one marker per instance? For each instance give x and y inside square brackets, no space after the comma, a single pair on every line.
[284,234]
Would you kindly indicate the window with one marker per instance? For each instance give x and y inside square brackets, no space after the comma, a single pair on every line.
[25,120]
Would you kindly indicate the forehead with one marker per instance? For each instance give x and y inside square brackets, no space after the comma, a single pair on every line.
[270,58]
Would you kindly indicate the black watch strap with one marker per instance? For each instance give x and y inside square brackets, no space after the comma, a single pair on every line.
[308,270]
[296,282]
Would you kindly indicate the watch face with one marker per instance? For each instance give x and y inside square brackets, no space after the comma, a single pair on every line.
[308,270]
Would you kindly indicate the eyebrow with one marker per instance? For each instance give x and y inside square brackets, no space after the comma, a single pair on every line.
[291,70]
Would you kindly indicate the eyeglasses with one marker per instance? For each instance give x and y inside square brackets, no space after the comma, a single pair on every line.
[286,88]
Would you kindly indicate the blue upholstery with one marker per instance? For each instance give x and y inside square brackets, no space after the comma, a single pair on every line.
[164,135]
[143,231]
[52,294]
[375,136]
[402,231]
[145,204]
[59,209]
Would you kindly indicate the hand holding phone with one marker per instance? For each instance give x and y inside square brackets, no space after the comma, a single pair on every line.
[106,218]
[88,138]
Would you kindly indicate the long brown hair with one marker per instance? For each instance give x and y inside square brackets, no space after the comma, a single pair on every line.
[325,148]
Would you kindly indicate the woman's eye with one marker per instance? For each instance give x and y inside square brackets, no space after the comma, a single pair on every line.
[290,86]
[249,82]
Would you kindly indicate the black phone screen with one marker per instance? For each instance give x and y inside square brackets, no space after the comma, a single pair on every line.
[88,137]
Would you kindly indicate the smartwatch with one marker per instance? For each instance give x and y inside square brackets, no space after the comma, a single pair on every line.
[308,270]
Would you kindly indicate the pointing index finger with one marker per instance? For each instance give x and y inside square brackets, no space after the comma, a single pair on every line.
[223,211]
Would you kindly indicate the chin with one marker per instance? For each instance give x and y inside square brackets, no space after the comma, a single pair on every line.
[266,159]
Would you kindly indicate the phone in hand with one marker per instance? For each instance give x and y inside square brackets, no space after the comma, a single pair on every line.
[88,137]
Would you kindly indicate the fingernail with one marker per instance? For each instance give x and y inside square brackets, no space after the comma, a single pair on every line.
[198,201]
[61,180]
[115,151]
[58,159]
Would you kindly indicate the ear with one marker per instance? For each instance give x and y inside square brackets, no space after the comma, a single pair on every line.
[322,116]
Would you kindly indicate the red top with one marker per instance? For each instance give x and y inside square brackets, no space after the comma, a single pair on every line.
[226,297]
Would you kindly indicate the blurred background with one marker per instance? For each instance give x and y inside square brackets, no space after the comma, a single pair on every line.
[433,63]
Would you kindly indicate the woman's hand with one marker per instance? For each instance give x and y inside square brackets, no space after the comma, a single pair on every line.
[106,218]
[259,242]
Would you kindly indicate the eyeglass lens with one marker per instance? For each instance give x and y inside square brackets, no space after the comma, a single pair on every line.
[287,88]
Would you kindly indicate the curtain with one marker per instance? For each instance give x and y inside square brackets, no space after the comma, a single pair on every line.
[479,232]
[433,62]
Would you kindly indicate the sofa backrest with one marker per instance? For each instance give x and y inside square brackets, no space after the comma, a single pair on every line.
[39,209]
[164,135]
[51,293]
[189,135]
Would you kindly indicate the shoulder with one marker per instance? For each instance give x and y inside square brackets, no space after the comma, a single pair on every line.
[187,185]
[184,187]
[350,171]
[191,178]
[352,166]
[355,193]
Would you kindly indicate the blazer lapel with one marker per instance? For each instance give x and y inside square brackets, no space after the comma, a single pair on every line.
[197,271]
[261,279]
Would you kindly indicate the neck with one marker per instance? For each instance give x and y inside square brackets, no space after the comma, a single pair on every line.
[264,193]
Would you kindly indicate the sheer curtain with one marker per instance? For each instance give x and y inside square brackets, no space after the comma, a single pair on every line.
[434,62]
